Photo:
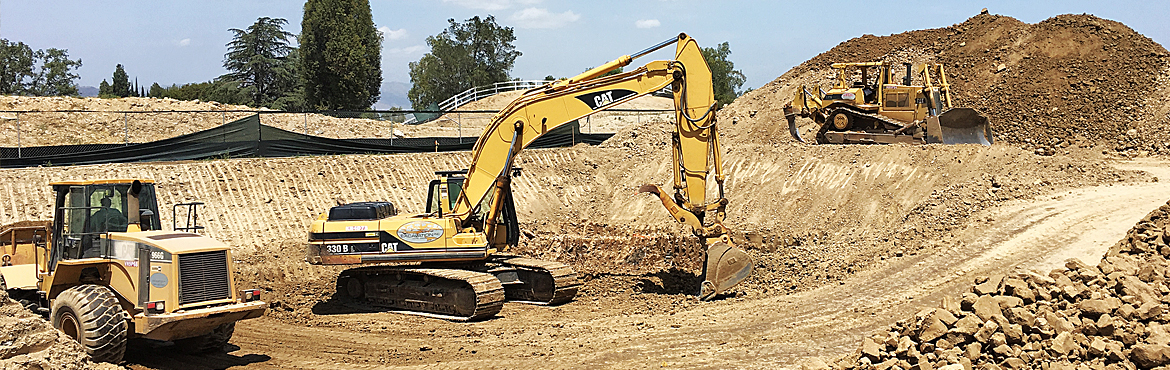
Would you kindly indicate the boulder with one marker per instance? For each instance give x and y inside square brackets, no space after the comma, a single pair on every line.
[932,328]
[1064,344]
[1150,355]
[1097,307]
[967,325]
[987,307]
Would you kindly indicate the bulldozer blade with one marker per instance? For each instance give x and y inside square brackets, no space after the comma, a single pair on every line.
[963,126]
[726,266]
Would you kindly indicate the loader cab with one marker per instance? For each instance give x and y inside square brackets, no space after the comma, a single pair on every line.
[86,210]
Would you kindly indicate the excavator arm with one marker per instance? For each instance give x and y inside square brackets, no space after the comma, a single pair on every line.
[695,155]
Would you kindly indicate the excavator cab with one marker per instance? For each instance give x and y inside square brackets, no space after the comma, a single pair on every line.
[443,192]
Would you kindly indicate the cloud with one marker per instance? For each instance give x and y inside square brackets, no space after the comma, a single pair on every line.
[183,42]
[542,18]
[491,5]
[647,23]
[407,50]
[390,34]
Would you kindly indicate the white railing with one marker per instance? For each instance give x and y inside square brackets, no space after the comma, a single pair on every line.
[481,92]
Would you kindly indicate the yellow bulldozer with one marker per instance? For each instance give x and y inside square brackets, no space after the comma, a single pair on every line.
[874,109]
[451,260]
[104,271]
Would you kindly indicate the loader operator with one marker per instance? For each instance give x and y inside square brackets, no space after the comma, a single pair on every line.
[107,219]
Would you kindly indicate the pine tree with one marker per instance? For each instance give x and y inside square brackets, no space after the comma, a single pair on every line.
[340,55]
[258,57]
[120,86]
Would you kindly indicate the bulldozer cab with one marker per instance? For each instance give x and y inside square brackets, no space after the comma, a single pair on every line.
[86,210]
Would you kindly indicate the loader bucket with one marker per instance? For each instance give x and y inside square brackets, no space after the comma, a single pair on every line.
[961,126]
[725,267]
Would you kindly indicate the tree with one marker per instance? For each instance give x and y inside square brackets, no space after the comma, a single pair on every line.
[223,91]
[477,52]
[156,91]
[120,85]
[340,55]
[724,76]
[104,90]
[256,57]
[24,71]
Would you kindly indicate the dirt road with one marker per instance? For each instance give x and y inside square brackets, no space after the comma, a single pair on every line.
[612,325]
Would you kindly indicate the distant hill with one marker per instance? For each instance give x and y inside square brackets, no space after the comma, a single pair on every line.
[87,91]
[393,95]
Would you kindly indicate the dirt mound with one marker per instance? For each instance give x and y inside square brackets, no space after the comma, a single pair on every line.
[1068,81]
[1112,315]
[29,342]
[108,125]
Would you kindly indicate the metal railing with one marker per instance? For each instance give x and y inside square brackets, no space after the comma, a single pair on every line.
[481,92]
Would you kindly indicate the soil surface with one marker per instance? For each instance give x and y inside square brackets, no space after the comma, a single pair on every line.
[621,321]
[845,239]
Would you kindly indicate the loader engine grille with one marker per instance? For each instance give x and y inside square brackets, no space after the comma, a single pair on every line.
[203,277]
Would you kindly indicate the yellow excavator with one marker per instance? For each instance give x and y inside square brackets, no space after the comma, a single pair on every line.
[452,260]
[877,110]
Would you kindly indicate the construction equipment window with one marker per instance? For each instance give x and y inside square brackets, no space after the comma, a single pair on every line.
[108,208]
[898,100]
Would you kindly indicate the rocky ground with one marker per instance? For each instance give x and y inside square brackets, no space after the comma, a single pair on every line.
[1109,316]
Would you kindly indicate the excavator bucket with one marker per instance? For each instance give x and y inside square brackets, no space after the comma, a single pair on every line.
[960,126]
[725,267]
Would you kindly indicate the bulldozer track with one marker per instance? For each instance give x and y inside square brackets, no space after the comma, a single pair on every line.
[825,126]
[489,293]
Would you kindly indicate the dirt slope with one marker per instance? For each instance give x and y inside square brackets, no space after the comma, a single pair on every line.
[39,128]
[1068,81]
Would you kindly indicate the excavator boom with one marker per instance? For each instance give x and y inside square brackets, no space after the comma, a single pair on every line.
[696,149]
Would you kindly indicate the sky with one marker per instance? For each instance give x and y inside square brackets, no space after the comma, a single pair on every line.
[177,42]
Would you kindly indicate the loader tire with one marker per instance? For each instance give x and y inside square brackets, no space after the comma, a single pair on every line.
[210,342]
[92,315]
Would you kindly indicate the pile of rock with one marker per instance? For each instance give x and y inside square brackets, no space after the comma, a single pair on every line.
[29,342]
[1110,316]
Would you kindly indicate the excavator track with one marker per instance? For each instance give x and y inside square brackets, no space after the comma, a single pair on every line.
[449,294]
[533,281]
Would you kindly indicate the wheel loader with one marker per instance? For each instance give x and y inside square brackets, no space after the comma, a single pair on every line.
[451,261]
[104,271]
[876,110]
